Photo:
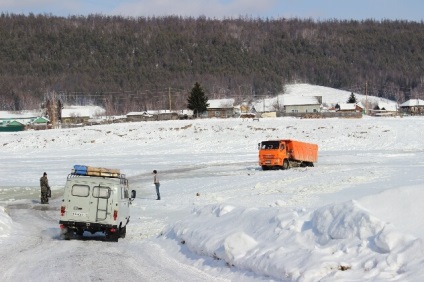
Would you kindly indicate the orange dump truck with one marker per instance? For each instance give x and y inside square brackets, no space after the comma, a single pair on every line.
[276,154]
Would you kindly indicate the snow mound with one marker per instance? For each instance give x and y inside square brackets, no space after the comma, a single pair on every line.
[323,243]
[5,223]
[344,221]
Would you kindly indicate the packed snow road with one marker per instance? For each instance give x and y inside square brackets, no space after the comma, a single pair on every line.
[35,252]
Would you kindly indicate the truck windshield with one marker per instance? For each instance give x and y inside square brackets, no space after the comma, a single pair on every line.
[268,145]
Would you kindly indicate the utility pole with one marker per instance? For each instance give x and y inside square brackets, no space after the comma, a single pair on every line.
[366,97]
[169,93]
[53,109]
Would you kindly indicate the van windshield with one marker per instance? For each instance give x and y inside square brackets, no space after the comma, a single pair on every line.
[268,145]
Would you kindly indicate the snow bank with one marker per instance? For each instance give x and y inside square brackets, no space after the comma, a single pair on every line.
[5,223]
[336,241]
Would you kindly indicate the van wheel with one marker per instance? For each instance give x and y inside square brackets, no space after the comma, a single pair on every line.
[124,232]
[286,164]
[68,235]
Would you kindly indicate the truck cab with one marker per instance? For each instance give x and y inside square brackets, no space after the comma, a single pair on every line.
[95,200]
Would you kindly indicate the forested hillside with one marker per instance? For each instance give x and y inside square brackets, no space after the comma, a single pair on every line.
[132,64]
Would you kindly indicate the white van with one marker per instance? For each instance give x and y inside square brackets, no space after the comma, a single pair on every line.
[95,200]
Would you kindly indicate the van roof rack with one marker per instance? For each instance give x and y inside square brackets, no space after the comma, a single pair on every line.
[83,170]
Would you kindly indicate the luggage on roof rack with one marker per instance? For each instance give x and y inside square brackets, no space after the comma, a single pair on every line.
[95,171]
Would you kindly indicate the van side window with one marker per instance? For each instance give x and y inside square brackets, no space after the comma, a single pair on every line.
[80,190]
[101,192]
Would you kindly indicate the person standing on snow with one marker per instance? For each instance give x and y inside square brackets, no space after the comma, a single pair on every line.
[156,182]
[45,188]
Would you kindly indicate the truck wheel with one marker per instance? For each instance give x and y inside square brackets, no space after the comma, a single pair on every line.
[264,167]
[286,164]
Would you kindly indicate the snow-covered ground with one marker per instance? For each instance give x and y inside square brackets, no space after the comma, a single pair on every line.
[355,216]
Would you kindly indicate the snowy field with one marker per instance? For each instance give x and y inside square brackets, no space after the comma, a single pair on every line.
[356,216]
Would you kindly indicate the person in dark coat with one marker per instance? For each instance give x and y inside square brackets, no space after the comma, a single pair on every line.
[156,182]
[45,189]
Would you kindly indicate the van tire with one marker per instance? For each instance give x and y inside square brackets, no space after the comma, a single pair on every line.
[68,235]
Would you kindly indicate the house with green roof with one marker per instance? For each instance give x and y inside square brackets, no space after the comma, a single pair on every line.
[11,126]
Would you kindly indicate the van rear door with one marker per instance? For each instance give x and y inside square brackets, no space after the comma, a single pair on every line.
[79,202]
[100,202]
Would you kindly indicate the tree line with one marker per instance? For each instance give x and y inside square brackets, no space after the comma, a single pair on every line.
[134,64]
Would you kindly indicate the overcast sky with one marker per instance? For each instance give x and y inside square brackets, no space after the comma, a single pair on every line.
[411,10]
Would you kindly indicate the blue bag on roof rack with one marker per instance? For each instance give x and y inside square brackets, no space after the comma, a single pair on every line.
[80,169]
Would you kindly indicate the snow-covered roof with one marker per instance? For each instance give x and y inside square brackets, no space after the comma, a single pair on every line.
[146,114]
[390,107]
[82,111]
[347,106]
[18,114]
[155,112]
[221,103]
[296,100]
[270,104]
[412,103]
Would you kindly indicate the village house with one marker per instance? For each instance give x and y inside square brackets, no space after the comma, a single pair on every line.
[11,125]
[413,107]
[22,120]
[220,108]
[40,123]
[385,109]
[350,107]
[139,116]
[79,114]
[159,115]
[300,104]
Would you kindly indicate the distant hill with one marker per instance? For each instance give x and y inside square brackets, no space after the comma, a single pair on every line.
[133,64]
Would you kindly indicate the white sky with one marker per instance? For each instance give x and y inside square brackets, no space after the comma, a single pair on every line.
[316,9]
[360,207]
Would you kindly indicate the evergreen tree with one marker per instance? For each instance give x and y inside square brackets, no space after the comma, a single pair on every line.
[197,101]
[352,99]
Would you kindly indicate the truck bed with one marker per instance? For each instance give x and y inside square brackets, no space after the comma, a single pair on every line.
[301,151]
